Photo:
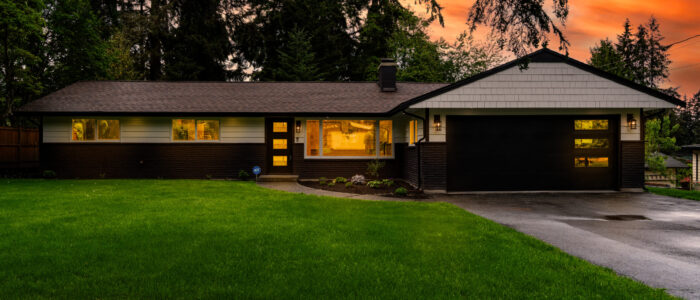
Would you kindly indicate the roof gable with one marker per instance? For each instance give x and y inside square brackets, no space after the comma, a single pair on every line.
[551,80]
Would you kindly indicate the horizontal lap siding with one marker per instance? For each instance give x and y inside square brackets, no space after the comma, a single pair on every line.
[410,164]
[632,164]
[151,160]
[330,168]
[434,162]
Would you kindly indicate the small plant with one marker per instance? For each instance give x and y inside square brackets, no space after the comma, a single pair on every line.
[402,191]
[208,176]
[48,174]
[322,180]
[375,184]
[103,175]
[358,179]
[331,183]
[388,182]
[243,175]
[373,167]
[341,180]
[348,184]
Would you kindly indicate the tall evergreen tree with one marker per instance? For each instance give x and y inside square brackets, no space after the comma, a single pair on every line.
[75,47]
[20,31]
[657,61]
[297,62]
[625,45]
[199,46]
[605,57]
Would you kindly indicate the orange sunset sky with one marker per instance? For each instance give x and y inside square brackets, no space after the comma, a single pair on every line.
[592,20]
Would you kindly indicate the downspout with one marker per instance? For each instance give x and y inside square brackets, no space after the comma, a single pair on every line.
[420,176]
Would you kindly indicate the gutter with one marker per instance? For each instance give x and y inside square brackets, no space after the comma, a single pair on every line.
[418,143]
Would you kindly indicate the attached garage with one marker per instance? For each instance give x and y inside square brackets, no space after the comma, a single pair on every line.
[501,153]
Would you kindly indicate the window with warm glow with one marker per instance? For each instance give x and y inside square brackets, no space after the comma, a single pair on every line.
[108,130]
[83,130]
[183,130]
[412,132]
[279,144]
[200,130]
[591,124]
[349,138]
[590,162]
[279,161]
[313,142]
[208,130]
[385,140]
[279,126]
[591,143]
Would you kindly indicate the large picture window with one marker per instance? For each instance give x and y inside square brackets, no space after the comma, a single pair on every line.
[191,130]
[84,130]
[349,138]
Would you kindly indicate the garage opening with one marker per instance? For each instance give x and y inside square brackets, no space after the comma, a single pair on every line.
[511,153]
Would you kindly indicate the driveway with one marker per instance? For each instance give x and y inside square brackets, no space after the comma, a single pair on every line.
[662,250]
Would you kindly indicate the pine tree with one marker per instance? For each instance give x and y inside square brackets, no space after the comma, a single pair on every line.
[657,61]
[297,62]
[625,46]
[605,57]
[75,45]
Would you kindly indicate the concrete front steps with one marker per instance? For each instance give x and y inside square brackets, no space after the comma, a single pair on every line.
[278,178]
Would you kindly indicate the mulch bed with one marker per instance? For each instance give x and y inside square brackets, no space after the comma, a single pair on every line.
[365,190]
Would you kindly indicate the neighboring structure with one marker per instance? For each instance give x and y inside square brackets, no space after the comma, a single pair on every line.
[557,125]
[670,179]
[696,164]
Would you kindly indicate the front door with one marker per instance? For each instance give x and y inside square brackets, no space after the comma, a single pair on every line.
[279,138]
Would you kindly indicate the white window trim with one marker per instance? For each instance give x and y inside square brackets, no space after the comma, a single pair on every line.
[320,140]
[97,133]
[410,135]
[196,140]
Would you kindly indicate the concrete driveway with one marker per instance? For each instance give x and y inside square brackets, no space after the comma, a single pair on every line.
[662,250]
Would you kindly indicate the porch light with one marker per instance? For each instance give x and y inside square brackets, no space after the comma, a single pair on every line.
[436,122]
[297,126]
[631,122]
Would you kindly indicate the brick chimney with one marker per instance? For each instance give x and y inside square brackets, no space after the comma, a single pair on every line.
[387,75]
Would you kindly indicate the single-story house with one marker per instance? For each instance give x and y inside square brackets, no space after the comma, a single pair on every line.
[695,163]
[558,124]
[670,179]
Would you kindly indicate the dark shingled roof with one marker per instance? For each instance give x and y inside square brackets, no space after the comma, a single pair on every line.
[693,147]
[149,97]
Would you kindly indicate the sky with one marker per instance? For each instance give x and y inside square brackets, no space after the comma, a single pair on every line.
[590,21]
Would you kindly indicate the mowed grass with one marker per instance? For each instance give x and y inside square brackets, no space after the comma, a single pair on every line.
[692,195]
[152,239]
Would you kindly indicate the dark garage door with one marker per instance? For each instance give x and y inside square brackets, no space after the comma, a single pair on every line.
[502,153]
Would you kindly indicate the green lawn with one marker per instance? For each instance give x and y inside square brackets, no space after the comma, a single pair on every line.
[214,239]
[692,195]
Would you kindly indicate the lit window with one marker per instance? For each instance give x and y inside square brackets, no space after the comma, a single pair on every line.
[183,130]
[385,138]
[413,132]
[279,161]
[279,144]
[208,130]
[279,126]
[349,138]
[591,124]
[590,162]
[108,129]
[591,143]
[83,130]
[312,138]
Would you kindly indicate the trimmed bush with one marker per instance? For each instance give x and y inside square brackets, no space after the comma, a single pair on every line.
[375,184]
[402,191]
[348,185]
[388,182]
[358,179]
[341,180]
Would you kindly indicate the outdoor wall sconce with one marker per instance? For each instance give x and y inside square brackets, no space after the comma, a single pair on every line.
[631,122]
[297,126]
[436,122]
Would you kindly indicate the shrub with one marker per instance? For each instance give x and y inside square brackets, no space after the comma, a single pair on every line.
[348,184]
[402,191]
[243,175]
[375,184]
[388,182]
[341,180]
[373,167]
[358,179]
[322,180]
[48,174]
[331,183]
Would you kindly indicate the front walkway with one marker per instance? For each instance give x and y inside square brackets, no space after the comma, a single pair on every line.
[662,250]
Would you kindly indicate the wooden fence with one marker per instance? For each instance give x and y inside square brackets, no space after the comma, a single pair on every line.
[19,148]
